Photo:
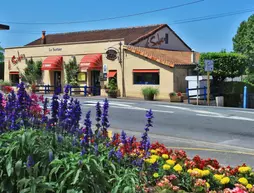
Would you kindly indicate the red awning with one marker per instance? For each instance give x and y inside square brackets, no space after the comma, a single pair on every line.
[91,62]
[146,71]
[112,73]
[52,63]
[14,72]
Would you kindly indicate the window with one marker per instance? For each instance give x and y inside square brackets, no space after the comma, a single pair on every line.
[146,77]
[166,38]
[14,79]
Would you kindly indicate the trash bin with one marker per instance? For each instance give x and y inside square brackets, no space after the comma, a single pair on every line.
[219,101]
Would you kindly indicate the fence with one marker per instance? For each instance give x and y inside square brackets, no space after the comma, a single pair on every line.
[86,90]
[196,95]
[47,88]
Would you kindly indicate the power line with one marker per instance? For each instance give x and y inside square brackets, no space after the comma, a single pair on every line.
[104,19]
[208,17]
[183,21]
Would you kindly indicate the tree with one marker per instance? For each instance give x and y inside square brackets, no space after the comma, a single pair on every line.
[225,65]
[71,70]
[32,73]
[243,42]
[1,54]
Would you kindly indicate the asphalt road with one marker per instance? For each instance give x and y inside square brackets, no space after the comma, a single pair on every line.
[223,133]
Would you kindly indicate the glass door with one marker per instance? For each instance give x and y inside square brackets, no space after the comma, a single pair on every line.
[95,82]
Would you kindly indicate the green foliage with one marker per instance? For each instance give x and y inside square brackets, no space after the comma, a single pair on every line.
[225,65]
[69,171]
[32,73]
[1,54]
[5,83]
[71,70]
[249,79]
[148,91]
[243,41]
[112,86]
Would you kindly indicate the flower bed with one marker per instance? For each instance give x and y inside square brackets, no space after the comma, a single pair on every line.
[42,151]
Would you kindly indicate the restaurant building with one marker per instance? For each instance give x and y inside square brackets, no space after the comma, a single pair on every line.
[136,56]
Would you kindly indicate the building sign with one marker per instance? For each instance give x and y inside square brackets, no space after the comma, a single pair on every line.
[111,54]
[103,76]
[16,59]
[155,40]
[105,68]
[55,49]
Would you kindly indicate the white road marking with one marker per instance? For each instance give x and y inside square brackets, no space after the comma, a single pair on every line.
[229,141]
[225,117]
[248,112]
[124,106]
[191,110]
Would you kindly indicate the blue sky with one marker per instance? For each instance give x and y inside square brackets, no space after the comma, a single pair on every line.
[203,36]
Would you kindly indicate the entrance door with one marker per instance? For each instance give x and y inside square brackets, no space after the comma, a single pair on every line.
[57,80]
[95,82]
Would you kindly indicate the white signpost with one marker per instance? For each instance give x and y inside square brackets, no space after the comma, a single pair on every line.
[209,65]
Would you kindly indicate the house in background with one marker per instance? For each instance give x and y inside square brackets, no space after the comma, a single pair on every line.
[2,27]
[151,55]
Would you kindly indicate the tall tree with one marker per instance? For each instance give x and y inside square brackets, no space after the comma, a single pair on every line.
[1,54]
[243,41]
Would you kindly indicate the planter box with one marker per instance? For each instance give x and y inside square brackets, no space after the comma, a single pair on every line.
[149,97]
[176,99]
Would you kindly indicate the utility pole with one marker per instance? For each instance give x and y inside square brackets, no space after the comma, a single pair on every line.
[197,67]
[121,61]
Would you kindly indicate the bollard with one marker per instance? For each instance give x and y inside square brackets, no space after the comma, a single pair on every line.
[85,90]
[70,90]
[205,93]
[245,97]
[187,93]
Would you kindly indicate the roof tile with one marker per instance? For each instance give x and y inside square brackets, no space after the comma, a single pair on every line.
[130,35]
[166,57]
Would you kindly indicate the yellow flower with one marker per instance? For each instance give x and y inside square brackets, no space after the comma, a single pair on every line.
[205,172]
[165,156]
[156,157]
[150,161]
[243,170]
[225,180]
[171,162]
[243,181]
[249,186]
[155,175]
[207,185]
[189,171]
[178,168]
[153,151]
[166,167]
[218,177]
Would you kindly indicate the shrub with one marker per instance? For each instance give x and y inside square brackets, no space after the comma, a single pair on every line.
[5,83]
[148,91]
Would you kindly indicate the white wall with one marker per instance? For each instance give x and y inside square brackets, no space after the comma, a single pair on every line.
[157,40]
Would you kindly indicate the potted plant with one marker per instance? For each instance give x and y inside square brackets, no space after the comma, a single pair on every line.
[112,89]
[176,97]
[149,93]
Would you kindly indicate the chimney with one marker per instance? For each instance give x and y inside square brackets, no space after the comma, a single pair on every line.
[43,37]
